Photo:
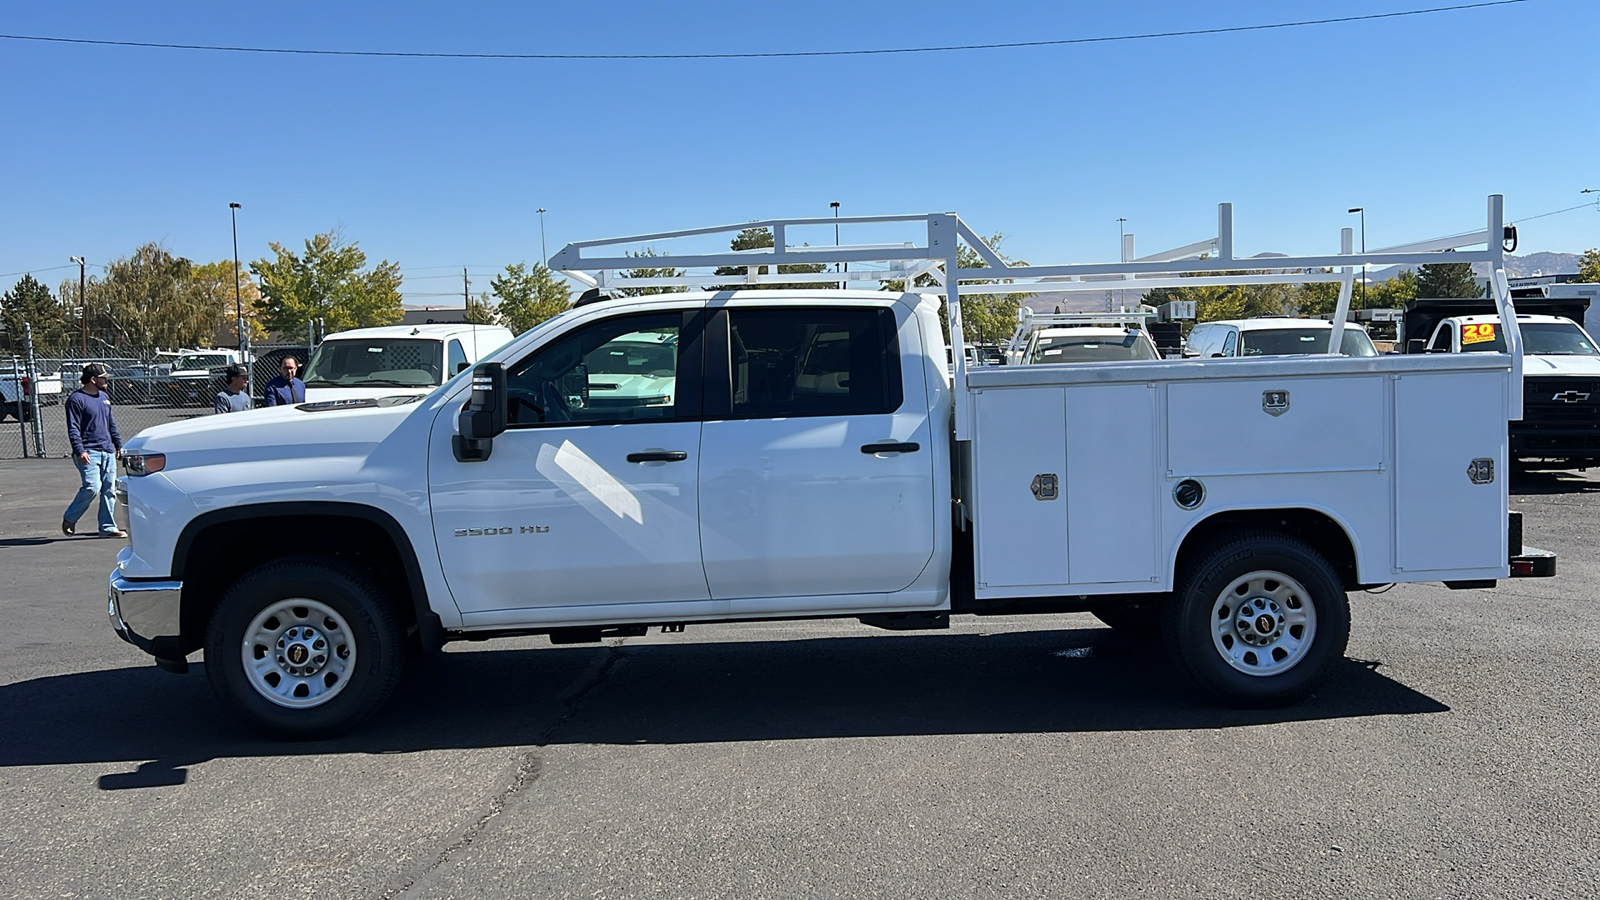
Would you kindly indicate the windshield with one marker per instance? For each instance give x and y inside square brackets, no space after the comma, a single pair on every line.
[1538,339]
[1061,348]
[199,361]
[650,354]
[1293,341]
[376,362]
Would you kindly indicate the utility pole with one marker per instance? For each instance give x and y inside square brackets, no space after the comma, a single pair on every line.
[544,256]
[466,293]
[83,309]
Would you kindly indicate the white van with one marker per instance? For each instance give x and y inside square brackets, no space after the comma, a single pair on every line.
[1274,336]
[396,359]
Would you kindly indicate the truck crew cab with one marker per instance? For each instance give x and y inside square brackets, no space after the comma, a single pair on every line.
[732,455]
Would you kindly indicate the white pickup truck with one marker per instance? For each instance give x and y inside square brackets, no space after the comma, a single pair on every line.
[723,456]
[1561,388]
[17,391]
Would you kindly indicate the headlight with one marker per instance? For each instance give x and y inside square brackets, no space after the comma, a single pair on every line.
[138,464]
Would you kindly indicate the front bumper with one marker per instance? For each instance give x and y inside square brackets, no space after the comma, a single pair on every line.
[147,614]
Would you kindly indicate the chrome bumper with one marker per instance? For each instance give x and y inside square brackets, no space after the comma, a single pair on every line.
[146,614]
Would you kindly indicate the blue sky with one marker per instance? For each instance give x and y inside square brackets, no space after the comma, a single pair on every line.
[441,163]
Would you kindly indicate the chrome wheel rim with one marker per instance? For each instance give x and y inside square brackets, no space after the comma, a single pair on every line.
[1263,623]
[298,653]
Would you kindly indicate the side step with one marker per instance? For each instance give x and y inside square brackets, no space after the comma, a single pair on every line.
[593,634]
[907,621]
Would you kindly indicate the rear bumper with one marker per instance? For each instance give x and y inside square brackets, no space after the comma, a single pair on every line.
[1533,563]
[146,613]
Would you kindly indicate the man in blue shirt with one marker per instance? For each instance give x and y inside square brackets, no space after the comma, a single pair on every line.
[96,446]
[232,398]
[286,390]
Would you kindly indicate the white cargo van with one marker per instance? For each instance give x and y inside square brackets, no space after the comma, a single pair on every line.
[395,359]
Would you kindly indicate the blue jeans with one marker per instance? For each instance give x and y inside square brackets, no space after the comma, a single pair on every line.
[99,477]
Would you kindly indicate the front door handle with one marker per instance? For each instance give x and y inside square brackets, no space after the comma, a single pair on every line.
[658,456]
[891,447]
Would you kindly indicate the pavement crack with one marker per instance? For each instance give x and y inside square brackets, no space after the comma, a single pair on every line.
[528,770]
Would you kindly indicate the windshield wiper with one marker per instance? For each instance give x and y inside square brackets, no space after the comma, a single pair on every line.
[380,382]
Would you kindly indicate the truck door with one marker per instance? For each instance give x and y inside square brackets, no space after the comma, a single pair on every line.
[816,473]
[589,497]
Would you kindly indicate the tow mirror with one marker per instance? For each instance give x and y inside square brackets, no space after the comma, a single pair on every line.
[483,418]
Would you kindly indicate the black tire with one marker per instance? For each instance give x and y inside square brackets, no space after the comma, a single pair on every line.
[369,634]
[1269,579]
[7,410]
[1136,616]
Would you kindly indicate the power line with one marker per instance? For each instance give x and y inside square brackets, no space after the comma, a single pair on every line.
[1010,45]
[1595,205]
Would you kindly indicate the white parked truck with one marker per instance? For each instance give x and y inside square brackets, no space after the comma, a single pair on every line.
[1561,384]
[733,455]
[395,359]
[18,392]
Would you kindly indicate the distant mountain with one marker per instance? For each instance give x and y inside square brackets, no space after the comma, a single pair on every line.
[1542,263]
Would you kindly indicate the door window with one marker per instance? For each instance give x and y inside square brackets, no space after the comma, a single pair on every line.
[1230,343]
[456,359]
[812,362]
[614,371]
[1445,339]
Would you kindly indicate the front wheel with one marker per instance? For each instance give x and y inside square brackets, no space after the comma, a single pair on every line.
[304,648]
[1258,620]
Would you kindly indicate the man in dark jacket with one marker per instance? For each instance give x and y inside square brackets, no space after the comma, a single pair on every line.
[96,446]
[286,389]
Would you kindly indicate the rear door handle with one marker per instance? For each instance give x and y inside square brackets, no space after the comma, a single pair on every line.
[658,456]
[891,447]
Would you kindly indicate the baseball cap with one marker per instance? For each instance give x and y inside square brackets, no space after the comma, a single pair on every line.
[93,371]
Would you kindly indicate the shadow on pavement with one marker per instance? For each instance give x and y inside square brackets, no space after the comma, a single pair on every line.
[1552,481]
[1021,682]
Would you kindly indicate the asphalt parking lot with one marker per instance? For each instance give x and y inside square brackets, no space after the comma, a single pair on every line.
[1452,755]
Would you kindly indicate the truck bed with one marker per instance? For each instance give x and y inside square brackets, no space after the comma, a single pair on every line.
[1394,450]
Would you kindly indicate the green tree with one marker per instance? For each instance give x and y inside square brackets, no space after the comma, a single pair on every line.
[1589,266]
[214,281]
[29,301]
[649,272]
[1447,280]
[149,301]
[756,239]
[529,295]
[329,282]
[481,312]
[1235,301]
[1392,293]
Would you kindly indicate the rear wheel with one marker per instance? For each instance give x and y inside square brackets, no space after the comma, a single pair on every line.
[304,648]
[1258,620]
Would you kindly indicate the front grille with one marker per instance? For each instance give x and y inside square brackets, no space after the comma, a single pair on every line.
[1561,402]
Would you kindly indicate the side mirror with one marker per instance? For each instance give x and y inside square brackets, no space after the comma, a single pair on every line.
[1416,345]
[1216,356]
[461,367]
[483,418]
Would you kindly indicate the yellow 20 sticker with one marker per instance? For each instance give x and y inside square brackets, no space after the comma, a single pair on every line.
[1477,334]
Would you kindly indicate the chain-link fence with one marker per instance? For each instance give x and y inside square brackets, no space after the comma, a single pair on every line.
[146,389]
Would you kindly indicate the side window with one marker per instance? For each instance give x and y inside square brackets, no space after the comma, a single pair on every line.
[813,362]
[456,359]
[1444,339]
[1231,343]
[609,372]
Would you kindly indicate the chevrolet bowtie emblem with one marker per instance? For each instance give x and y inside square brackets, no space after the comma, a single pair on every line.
[1571,396]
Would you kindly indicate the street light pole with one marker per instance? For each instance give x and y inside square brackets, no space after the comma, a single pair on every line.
[1363,211]
[835,206]
[83,309]
[544,255]
[238,300]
